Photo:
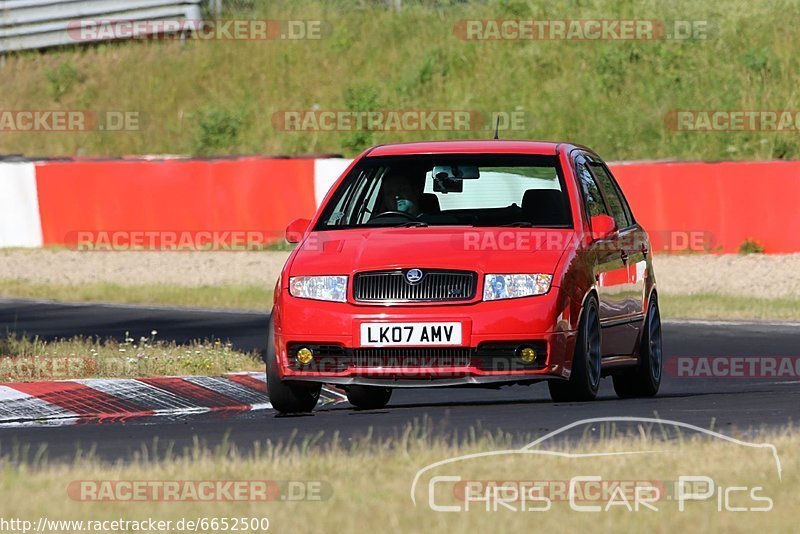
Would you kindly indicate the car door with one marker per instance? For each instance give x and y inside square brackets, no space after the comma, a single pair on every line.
[632,240]
[629,278]
[611,272]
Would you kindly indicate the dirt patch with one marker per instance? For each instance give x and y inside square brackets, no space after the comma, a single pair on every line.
[755,275]
[189,269]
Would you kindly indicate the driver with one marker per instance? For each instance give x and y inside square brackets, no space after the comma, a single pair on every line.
[402,190]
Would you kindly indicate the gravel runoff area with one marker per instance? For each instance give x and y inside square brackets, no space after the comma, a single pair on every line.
[133,268]
[755,275]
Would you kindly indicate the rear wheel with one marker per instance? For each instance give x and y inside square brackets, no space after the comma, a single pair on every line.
[585,377]
[287,397]
[645,380]
[368,397]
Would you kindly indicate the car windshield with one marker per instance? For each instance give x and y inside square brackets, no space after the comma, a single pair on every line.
[447,190]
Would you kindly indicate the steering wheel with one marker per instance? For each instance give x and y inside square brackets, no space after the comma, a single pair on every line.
[394,213]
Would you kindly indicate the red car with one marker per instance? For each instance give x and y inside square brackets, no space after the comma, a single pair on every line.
[464,263]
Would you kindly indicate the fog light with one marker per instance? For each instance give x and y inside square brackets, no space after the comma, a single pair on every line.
[304,355]
[527,354]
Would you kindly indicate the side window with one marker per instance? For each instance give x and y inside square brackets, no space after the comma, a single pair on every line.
[591,192]
[358,199]
[370,201]
[337,212]
[619,210]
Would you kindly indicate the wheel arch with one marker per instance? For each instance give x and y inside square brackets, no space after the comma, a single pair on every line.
[592,292]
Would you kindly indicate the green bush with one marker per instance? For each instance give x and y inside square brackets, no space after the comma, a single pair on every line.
[61,79]
[750,246]
[218,131]
[362,97]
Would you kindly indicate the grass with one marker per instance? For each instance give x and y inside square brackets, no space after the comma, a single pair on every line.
[24,359]
[366,484]
[711,306]
[250,297]
[219,97]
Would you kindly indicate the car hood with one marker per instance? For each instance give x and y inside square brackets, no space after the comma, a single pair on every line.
[487,250]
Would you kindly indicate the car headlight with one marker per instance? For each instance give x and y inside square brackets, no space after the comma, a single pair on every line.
[332,288]
[511,286]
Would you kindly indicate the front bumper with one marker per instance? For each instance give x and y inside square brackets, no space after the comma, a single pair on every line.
[542,322]
[436,381]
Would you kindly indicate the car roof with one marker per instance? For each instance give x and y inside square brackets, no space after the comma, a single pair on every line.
[486,146]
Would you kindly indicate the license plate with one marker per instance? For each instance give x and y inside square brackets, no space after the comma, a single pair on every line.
[410,334]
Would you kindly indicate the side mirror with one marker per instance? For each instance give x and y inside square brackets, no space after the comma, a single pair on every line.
[603,226]
[296,229]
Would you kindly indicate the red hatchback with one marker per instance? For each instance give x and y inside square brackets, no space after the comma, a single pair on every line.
[465,263]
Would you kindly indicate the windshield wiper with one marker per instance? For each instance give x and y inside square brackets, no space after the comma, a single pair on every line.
[412,224]
[520,224]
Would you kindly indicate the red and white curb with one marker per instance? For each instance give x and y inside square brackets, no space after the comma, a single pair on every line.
[97,399]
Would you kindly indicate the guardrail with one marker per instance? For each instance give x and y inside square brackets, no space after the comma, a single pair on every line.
[35,24]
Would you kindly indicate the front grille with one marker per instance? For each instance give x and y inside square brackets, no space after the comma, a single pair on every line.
[435,286]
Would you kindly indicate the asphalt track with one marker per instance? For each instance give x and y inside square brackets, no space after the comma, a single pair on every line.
[727,404]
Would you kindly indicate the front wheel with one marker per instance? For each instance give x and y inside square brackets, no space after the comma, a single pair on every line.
[287,397]
[585,377]
[368,397]
[645,380]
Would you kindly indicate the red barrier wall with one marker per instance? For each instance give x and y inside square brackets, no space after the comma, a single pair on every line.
[722,204]
[245,195]
[684,206]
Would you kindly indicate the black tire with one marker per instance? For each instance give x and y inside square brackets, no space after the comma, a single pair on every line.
[585,377]
[287,397]
[645,380]
[368,397]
